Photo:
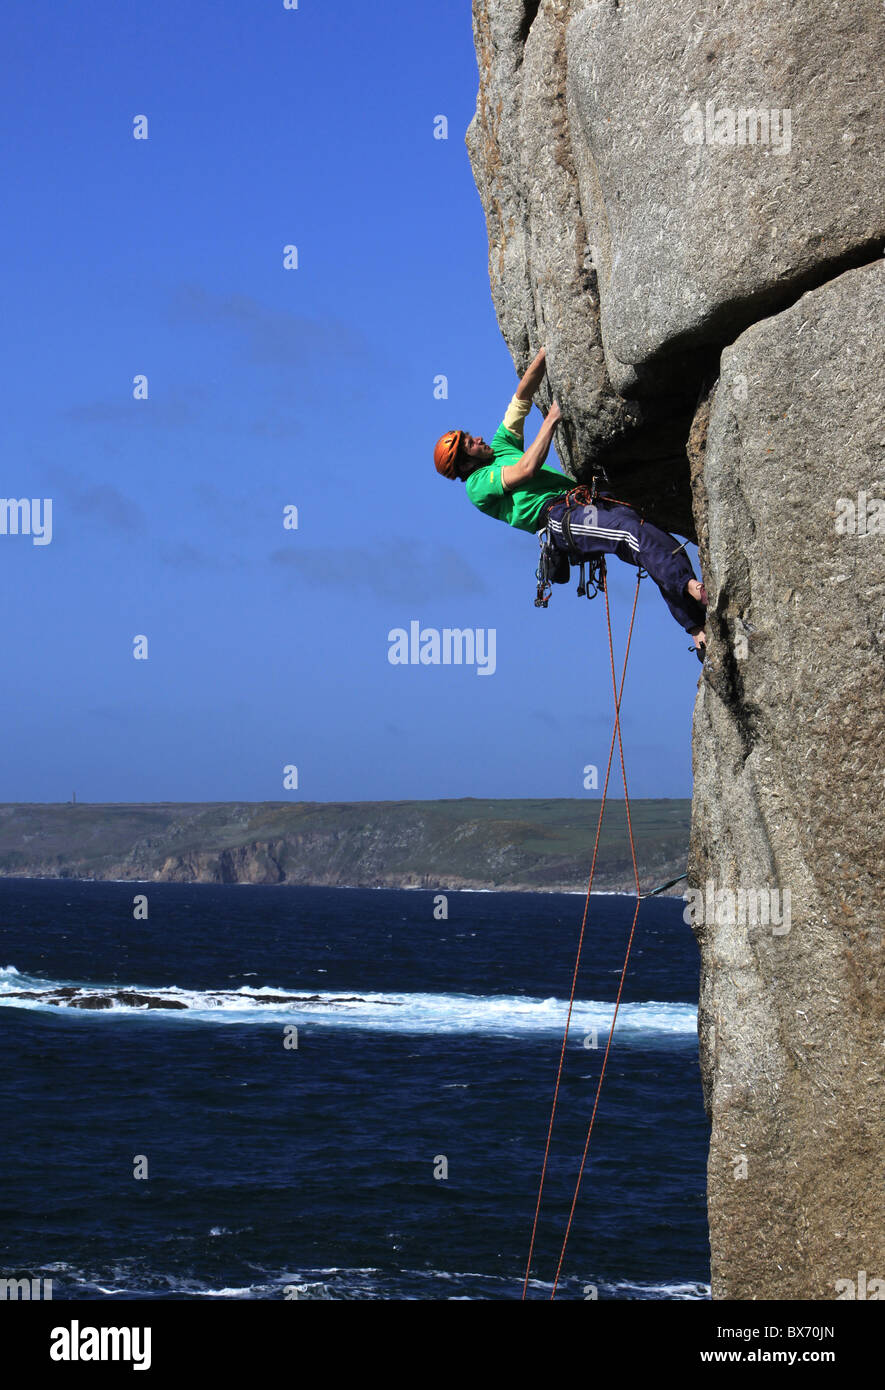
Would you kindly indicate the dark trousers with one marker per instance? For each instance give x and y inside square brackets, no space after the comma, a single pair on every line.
[609,529]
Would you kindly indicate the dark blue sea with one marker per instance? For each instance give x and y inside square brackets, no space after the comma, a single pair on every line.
[395,1151]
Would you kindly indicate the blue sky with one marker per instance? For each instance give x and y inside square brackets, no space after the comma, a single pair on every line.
[267,387]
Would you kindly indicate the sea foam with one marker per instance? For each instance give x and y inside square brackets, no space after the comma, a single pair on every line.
[511,1015]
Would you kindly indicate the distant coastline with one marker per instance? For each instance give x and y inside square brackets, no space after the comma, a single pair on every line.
[468,844]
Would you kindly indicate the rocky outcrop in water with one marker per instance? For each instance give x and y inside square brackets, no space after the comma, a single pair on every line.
[78,997]
[684,207]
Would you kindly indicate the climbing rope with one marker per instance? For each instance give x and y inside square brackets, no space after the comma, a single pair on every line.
[618,691]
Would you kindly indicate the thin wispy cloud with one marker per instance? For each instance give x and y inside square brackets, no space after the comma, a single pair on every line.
[393,571]
[271,335]
[194,559]
[276,425]
[172,409]
[100,502]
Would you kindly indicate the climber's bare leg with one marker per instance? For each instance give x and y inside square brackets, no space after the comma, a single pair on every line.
[696,590]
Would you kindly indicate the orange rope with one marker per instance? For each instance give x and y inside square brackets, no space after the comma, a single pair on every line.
[629,940]
[616,732]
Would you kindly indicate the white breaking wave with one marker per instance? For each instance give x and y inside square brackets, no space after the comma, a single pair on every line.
[511,1015]
[370,1283]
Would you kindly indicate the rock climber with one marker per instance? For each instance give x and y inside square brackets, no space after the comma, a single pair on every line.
[507,481]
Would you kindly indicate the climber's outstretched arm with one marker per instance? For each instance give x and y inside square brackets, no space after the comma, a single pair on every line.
[533,377]
[515,473]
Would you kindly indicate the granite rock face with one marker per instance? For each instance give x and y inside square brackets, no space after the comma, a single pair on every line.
[732,154]
[789,764]
[683,206]
[655,178]
[542,267]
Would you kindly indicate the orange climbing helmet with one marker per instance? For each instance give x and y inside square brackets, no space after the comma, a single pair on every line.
[445,452]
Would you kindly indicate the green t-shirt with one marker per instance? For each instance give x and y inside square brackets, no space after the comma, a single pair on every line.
[521,507]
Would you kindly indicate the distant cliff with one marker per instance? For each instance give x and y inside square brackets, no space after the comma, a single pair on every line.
[684,207]
[502,844]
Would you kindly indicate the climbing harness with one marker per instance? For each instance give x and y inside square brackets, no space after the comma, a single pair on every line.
[554,563]
[553,568]
[618,690]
